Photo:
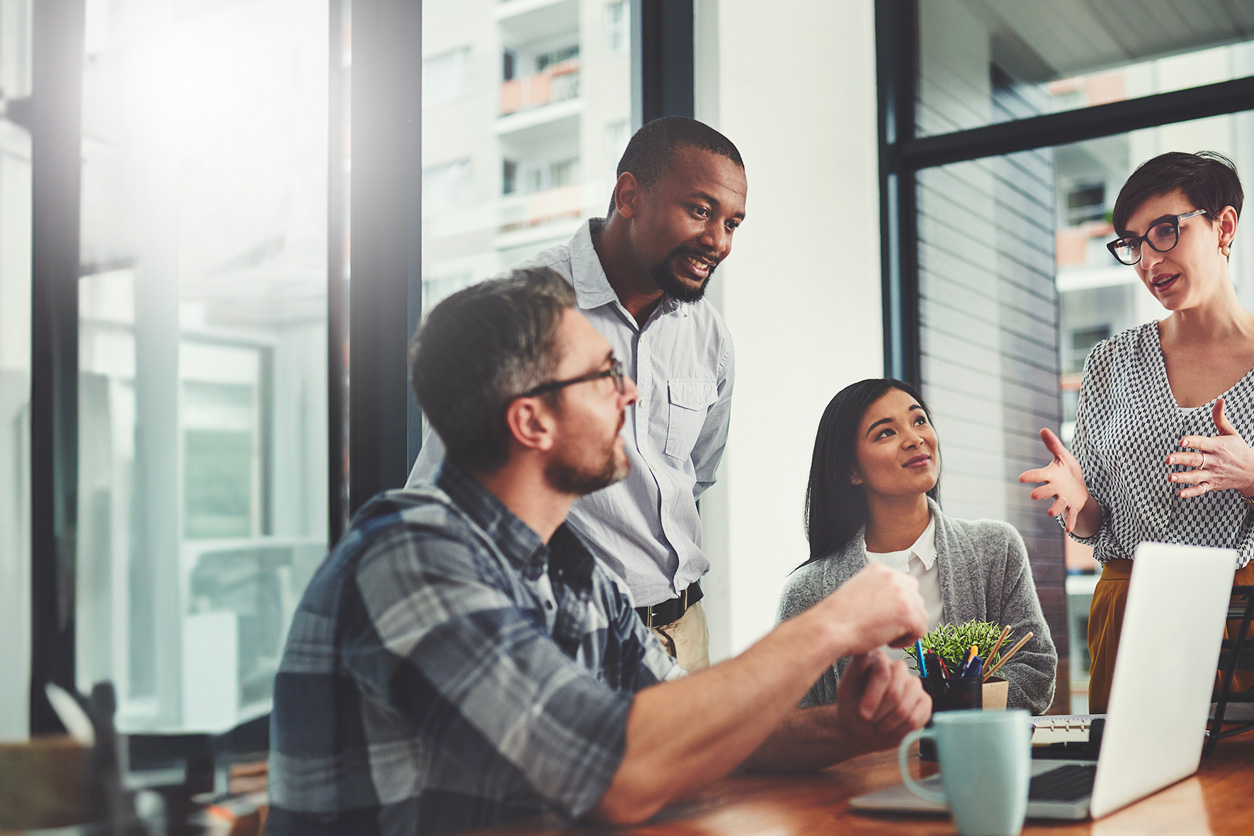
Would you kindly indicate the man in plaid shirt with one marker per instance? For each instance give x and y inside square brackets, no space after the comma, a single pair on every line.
[461,659]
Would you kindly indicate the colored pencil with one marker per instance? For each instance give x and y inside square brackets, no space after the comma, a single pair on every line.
[1009,653]
[1005,632]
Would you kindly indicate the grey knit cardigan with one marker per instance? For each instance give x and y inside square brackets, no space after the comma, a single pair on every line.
[984,574]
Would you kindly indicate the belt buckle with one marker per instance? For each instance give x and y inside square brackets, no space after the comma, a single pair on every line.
[683,608]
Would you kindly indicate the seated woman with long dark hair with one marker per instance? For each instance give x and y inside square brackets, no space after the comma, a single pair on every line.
[873,498]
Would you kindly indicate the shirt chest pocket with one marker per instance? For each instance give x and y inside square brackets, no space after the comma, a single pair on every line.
[689,401]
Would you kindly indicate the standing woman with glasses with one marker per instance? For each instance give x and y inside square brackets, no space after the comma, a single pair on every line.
[1160,450]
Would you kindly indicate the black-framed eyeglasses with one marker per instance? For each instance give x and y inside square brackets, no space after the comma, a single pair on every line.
[1162,236]
[614,372]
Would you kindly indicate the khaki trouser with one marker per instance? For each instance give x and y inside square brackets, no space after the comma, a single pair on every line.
[1110,597]
[687,639]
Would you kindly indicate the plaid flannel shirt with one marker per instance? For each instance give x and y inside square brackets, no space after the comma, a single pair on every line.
[447,670]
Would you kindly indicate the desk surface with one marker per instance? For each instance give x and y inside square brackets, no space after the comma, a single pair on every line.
[1218,800]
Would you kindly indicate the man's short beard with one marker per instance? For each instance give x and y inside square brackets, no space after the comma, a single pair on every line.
[664,278]
[569,479]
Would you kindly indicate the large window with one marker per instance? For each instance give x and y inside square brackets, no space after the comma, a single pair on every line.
[202,480]
[1007,284]
[15,379]
[544,125]
[171,478]
[1080,54]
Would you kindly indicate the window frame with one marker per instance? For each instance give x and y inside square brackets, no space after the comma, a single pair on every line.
[376,419]
[903,156]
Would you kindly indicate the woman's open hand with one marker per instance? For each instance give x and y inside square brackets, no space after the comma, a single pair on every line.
[1062,480]
[1221,462]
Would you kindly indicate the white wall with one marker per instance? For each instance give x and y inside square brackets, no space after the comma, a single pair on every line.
[794,88]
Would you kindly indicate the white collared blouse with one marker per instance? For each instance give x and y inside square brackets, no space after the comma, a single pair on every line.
[918,561]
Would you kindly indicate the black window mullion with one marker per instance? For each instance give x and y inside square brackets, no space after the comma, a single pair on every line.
[662,59]
[896,24]
[337,292]
[1071,126]
[386,234]
[53,117]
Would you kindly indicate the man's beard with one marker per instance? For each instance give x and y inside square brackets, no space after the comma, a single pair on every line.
[579,481]
[575,480]
[664,278]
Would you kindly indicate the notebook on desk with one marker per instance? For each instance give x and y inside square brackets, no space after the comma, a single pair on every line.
[1067,736]
[1159,699]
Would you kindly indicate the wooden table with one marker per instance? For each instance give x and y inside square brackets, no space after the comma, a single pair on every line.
[1218,800]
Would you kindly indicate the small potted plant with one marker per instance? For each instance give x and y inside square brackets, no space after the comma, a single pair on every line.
[952,643]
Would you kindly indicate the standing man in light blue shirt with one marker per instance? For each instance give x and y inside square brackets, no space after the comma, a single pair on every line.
[640,276]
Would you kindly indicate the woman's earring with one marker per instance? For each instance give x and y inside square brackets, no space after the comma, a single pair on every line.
[1226,249]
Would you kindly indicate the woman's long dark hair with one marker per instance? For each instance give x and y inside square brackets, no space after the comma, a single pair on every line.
[835,508]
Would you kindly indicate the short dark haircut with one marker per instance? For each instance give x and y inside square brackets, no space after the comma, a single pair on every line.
[478,350]
[836,508]
[651,151]
[1208,179]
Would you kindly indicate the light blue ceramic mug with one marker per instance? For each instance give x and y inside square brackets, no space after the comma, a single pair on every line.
[985,765]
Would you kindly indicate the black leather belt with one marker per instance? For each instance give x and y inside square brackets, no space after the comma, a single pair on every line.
[659,615]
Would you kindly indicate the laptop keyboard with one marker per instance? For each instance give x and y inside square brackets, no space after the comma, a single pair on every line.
[1066,783]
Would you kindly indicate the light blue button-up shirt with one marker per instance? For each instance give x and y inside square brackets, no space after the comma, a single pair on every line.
[646,528]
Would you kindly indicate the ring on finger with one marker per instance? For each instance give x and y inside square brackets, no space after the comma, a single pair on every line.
[1205,486]
[1202,466]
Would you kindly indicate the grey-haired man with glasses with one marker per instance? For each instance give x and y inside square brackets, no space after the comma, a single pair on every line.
[462,659]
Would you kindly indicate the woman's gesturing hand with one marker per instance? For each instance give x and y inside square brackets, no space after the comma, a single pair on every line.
[1221,462]
[1063,480]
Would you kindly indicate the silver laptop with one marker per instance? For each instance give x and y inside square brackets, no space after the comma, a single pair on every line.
[1159,699]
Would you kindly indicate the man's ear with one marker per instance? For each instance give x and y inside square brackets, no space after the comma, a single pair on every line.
[531,424]
[626,191]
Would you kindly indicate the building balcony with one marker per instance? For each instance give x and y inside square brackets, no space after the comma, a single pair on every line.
[525,211]
[555,83]
[521,21]
[1084,245]
[512,220]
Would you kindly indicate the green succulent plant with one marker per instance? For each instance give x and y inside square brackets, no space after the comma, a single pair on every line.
[952,641]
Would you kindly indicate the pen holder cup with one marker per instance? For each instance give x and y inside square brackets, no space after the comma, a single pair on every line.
[950,695]
[995,692]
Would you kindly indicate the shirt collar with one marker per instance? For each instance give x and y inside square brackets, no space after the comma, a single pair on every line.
[923,548]
[518,542]
[592,286]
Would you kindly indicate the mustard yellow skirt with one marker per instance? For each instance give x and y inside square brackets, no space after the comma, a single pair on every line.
[1106,621]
